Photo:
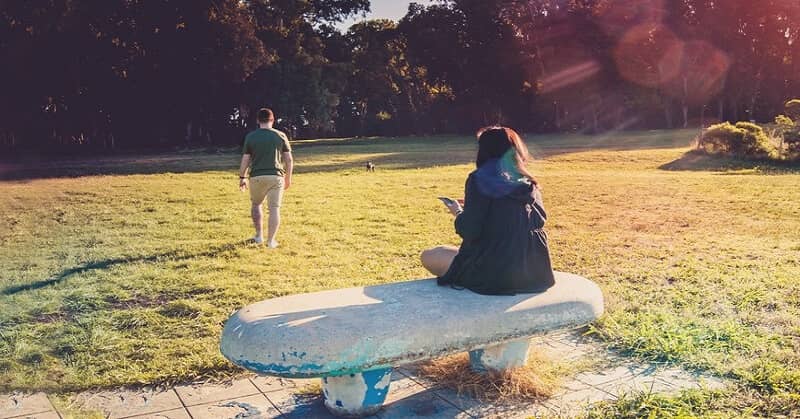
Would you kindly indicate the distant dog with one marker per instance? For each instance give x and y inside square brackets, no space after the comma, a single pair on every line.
[370,166]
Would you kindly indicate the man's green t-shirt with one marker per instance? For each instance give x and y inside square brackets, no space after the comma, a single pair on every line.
[265,147]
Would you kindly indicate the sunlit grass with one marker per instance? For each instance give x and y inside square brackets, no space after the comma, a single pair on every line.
[126,276]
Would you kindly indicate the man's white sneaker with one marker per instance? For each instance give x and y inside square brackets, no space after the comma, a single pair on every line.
[273,244]
[258,240]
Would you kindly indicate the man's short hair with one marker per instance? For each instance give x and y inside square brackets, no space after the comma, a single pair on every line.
[265,115]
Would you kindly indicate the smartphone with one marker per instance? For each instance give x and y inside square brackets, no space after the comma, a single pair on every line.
[449,202]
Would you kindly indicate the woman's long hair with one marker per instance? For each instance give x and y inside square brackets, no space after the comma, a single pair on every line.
[495,141]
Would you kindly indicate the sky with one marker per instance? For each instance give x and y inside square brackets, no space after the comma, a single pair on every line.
[383,9]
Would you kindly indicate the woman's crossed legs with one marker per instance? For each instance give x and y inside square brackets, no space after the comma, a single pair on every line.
[437,260]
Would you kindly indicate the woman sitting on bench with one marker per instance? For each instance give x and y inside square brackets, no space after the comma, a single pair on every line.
[504,249]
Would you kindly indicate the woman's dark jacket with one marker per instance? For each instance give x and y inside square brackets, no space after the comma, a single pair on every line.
[504,249]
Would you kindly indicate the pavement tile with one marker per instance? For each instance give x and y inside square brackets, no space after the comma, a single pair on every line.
[402,387]
[569,338]
[537,411]
[568,346]
[570,404]
[203,393]
[423,405]
[252,407]
[566,411]
[412,371]
[403,370]
[18,404]
[589,395]
[300,405]
[490,409]
[634,384]
[709,382]
[268,384]
[676,379]
[169,414]
[127,403]
[573,385]
[45,415]
[618,373]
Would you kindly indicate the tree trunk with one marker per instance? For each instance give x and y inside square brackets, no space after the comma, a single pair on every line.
[188,132]
[558,116]
[668,113]
[754,96]
[412,122]
[684,102]
[362,119]
[702,117]
[685,109]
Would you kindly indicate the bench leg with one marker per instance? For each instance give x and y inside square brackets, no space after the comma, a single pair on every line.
[356,395]
[500,357]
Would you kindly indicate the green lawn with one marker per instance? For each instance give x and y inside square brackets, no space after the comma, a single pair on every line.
[125,273]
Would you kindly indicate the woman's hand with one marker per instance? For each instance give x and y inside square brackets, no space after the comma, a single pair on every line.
[242,184]
[455,208]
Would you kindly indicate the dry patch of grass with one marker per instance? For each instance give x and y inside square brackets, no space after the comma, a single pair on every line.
[537,380]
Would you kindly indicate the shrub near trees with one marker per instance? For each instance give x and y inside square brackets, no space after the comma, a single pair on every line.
[744,139]
[83,74]
[749,140]
[789,128]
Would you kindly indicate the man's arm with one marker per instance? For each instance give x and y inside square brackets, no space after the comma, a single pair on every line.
[243,171]
[288,162]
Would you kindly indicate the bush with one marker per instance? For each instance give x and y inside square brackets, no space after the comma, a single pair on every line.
[792,140]
[792,108]
[744,139]
[789,131]
[784,123]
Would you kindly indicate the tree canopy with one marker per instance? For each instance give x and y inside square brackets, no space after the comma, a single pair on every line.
[89,74]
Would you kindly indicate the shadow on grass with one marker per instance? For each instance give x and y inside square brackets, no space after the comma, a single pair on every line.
[174,255]
[394,153]
[699,161]
[32,168]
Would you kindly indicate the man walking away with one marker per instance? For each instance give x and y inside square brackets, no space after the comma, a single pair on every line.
[268,155]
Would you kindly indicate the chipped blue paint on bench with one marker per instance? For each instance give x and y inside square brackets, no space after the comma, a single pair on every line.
[352,337]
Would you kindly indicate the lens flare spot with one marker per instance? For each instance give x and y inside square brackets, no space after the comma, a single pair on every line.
[569,76]
[617,16]
[702,75]
[649,55]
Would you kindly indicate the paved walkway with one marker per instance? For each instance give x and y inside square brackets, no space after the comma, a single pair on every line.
[410,395]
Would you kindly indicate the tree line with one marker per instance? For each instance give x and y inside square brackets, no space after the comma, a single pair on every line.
[89,74]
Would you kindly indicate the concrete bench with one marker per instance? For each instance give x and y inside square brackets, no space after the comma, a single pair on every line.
[352,337]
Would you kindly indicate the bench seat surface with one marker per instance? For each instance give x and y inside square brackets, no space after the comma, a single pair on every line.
[349,330]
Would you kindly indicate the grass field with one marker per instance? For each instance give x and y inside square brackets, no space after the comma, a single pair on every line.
[122,271]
